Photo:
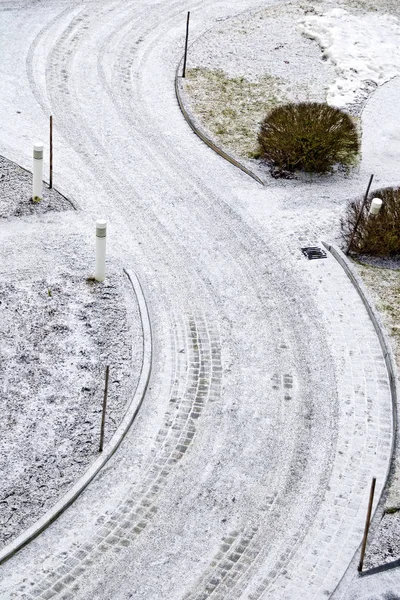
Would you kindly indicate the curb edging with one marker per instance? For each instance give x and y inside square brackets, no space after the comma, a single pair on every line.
[378,326]
[391,368]
[203,137]
[51,515]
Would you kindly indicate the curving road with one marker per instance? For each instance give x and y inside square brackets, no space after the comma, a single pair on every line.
[245,475]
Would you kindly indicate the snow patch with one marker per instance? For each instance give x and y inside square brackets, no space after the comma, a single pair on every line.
[362,48]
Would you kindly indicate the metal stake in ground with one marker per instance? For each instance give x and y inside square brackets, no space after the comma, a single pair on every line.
[359,215]
[51,153]
[186,45]
[367,524]
[103,415]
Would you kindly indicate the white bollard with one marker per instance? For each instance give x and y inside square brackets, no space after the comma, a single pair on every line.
[101,237]
[375,207]
[37,171]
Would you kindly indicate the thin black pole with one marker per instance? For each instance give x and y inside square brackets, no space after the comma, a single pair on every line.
[103,416]
[359,215]
[51,152]
[186,45]
[367,523]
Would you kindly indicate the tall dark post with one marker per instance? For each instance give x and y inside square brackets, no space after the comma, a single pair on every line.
[367,523]
[103,416]
[359,215]
[51,152]
[186,45]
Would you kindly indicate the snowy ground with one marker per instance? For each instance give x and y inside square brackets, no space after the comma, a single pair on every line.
[362,46]
[246,473]
[16,191]
[383,285]
[290,51]
[262,59]
[58,332]
[296,52]
[359,53]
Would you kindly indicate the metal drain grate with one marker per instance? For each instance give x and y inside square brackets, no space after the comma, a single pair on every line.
[313,252]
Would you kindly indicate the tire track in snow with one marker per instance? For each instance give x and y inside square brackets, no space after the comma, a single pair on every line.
[254,547]
[243,248]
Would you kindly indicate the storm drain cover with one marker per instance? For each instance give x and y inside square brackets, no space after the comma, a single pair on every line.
[313,252]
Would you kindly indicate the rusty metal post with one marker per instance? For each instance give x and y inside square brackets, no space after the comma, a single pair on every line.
[51,153]
[367,524]
[103,416]
[359,215]
[186,45]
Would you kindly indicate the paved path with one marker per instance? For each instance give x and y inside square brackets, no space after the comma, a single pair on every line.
[246,473]
[381,140]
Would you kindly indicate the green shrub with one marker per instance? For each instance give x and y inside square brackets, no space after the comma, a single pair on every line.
[377,236]
[309,136]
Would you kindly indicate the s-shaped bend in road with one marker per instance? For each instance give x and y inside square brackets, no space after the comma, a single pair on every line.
[246,472]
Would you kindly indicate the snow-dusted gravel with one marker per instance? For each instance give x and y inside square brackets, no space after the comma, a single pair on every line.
[249,451]
[16,193]
[53,357]
[58,332]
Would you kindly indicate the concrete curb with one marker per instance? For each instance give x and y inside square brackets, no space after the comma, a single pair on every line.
[378,326]
[202,135]
[392,374]
[29,534]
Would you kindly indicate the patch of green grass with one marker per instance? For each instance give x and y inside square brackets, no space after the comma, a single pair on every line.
[229,112]
[256,154]
[391,510]
[382,6]
[231,108]
[220,130]
[392,310]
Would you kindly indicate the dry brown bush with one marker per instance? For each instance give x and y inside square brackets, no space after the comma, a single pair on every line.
[377,236]
[308,136]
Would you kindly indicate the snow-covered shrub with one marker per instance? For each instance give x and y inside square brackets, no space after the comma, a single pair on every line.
[309,136]
[377,236]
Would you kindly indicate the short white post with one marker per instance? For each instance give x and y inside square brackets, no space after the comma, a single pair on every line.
[101,237]
[37,171]
[375,207]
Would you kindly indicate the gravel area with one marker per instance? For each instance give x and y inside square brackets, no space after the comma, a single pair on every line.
[59,330]
[16,193]
[57,336]
[388,538]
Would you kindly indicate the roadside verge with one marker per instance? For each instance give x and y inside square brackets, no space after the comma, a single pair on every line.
[202,135]
[29,534]
[394,394]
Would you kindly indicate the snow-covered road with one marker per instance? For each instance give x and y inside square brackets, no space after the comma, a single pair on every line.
[268,409]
